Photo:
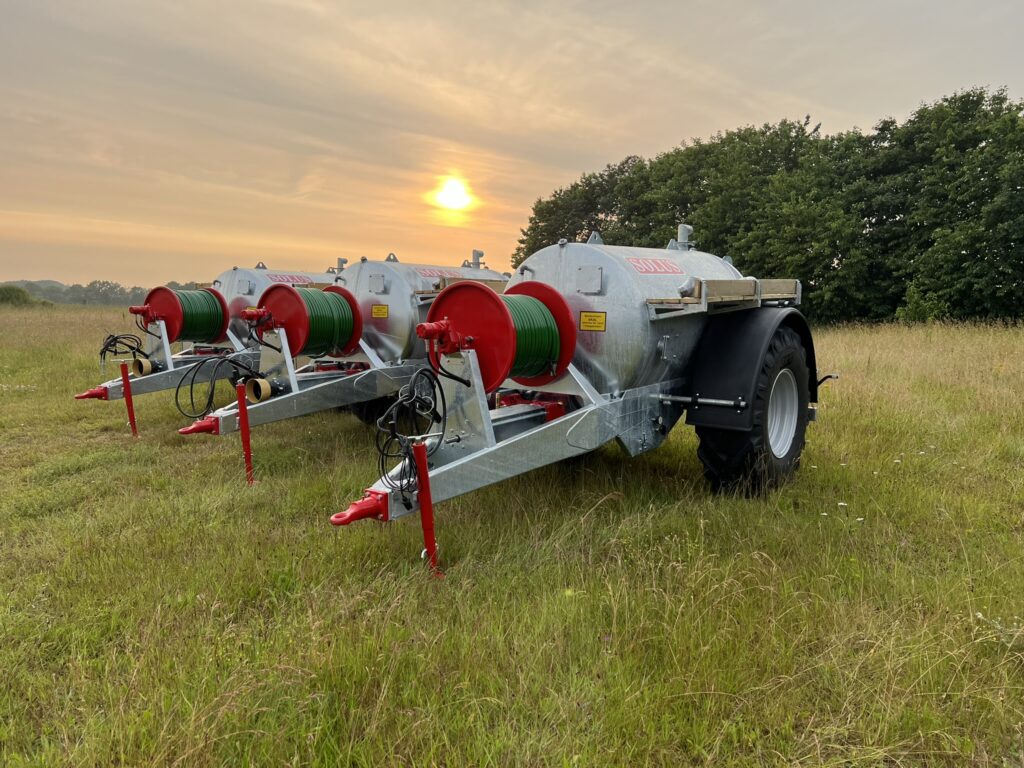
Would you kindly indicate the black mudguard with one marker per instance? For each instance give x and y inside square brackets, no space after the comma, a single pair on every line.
[728,359]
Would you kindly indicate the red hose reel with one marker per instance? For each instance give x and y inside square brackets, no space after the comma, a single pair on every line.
[469,315]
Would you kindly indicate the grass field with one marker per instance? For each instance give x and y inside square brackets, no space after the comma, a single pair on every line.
[609,611]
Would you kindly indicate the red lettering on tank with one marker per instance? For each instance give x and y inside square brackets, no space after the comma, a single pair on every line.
[289,279]
[656,266]
[437,272]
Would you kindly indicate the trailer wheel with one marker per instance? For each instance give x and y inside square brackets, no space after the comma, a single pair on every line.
[770,451]
[369,411]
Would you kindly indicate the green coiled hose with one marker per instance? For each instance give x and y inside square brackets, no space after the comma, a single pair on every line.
[330,322]
[202,316]
[537,341]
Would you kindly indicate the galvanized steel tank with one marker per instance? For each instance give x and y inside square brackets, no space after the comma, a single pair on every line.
[607,287]
[242,288]
[394,298]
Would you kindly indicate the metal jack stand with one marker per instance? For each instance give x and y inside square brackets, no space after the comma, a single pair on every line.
[243,428]
[419,454]
[126,383]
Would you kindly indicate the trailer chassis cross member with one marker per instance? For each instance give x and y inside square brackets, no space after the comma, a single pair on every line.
[481,446]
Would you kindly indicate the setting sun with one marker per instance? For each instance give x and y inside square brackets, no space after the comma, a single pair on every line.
[452,194]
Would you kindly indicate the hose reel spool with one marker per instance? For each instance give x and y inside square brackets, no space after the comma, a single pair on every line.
[537,343]
[527,334]
[317,323]
[198,316]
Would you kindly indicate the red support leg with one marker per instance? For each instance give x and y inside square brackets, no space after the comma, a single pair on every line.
[419,453]
[243,428]
[126,383]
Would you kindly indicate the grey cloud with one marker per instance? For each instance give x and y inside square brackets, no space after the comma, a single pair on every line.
[306,122]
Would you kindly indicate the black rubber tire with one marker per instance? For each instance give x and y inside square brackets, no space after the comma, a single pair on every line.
[743,461]
[370,410]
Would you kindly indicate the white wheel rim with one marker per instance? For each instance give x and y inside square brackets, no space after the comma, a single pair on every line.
[783,413]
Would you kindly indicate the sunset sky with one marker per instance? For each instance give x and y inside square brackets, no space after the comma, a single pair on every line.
[148,141]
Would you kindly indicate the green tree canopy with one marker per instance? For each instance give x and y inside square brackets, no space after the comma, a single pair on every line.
[918,219]
[95,292]
[12,295]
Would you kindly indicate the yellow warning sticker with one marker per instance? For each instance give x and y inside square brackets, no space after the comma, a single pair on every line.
[379,310]
[593,321]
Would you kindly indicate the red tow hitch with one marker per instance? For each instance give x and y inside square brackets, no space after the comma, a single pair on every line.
[209,424]
[96,393]
[373,505]
[102,393]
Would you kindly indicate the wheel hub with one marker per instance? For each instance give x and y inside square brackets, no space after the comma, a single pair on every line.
[783,413]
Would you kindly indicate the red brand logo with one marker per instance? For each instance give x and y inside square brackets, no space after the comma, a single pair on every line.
[656,266]
[289,279]
[437,272]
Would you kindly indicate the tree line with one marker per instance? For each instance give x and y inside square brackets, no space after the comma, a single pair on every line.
[915,220]
[95,292]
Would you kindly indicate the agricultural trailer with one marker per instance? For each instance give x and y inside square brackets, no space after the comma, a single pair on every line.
[205,324]
[589,344]
[357,337]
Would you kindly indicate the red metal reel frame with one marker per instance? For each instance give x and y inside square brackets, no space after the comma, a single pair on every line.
[163,304]
[555,406]
[564,321]
[357,318]
[478,314]
[288,311]
[224,311]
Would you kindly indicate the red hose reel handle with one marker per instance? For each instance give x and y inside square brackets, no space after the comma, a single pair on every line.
[448,341]
[255,314]
[432,330]
[142,310]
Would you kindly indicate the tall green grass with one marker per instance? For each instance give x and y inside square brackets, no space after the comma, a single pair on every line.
[605,611]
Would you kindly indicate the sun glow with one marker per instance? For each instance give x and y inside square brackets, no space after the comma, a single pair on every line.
[452,194]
